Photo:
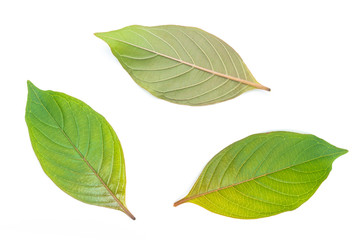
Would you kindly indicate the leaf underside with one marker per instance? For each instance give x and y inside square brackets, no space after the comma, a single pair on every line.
[263,175]
[77,148]
[183,65]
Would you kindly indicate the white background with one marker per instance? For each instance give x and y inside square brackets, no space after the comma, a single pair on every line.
[306,51]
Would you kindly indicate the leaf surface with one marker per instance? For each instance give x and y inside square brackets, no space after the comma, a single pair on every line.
[183,65]
[77,148]
[263,175]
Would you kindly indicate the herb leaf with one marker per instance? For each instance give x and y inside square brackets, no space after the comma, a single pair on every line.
[263,175]
[183,65]
[77,148]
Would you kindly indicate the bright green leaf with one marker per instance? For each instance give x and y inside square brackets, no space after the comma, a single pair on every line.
[263,175]
[77,148]
[184,65]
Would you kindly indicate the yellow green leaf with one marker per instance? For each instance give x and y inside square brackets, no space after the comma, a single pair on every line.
[263,175]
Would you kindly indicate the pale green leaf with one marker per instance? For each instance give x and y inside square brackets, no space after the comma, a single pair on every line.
[77,148]
[184,65]
[263,175]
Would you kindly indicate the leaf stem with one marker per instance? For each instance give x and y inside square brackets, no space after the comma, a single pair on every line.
[181,201]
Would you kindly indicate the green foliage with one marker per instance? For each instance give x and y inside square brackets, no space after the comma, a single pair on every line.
[77,148]
[183,65]
[263,175]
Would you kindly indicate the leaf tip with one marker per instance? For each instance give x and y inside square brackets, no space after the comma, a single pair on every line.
[99,35]
[343,151]
[32,89]
[30,84]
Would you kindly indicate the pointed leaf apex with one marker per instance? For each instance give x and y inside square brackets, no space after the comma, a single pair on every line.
[32,89]
[30,84]
[99,35]
[343,151]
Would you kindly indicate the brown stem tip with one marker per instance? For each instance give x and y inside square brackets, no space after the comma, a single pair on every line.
[181,201]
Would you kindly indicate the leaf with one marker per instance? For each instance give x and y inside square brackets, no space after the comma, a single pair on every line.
[263,175]
[183,65]
[77,148]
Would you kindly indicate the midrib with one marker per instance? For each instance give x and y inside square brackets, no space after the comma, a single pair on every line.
[186,199]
